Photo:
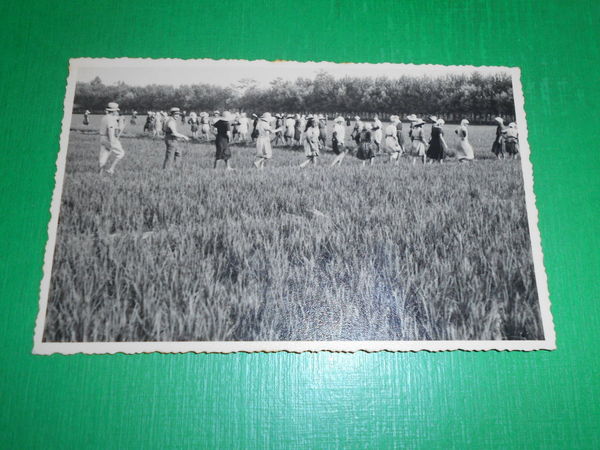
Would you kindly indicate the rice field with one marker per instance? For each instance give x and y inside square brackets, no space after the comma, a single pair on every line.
[406,252]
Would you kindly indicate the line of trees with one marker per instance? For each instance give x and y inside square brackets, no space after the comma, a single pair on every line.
[474,96]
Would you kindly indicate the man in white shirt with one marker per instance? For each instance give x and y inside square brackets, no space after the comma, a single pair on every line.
[171,137]
[110,130]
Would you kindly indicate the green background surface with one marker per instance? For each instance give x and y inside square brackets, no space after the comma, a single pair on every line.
[420,400]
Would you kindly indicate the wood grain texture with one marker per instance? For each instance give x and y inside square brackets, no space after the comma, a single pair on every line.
[414,400]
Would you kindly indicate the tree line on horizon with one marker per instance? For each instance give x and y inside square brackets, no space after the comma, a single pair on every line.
[475,96]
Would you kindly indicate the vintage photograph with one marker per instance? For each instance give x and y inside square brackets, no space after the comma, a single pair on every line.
[229,205]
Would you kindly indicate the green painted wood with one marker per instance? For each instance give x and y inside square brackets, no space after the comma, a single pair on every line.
[414,400]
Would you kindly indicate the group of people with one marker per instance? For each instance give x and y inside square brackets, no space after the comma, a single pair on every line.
[370,138]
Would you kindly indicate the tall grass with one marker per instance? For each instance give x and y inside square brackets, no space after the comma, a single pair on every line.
[375,253]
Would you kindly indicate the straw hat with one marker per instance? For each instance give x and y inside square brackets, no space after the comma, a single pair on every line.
[266,116]
[356,118]
[226,116]
[418,123]
[464,122]
[412,118]
[512,125]
[440,122]
[500,120]
[174,111]
[339,119]
[112,106]
[433,118]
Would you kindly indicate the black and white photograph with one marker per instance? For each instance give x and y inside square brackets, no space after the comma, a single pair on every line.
[229,205]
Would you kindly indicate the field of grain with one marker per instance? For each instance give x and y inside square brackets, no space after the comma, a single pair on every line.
[406,252]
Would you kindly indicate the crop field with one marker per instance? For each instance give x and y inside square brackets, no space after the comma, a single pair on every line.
[408,252]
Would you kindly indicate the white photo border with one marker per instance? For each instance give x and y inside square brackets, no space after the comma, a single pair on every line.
[67,348]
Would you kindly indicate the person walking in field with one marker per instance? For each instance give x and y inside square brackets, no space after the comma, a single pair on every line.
[297,129]
[400,135]
[437,144]
[109,139]
[149,125]
[337,141]
[222,139]
[322,131]
[511,140]
[392,146]
[358,126]
[265,131]
[171,138]
[279,125]
[498,146]
[418,141]
[365,146]
[86,117]
[412,119]
[289,130]
[205,126]
[158,124]
[194,124]
[377,133]
[243,127]
[464,150]
[311,142]
[133,119]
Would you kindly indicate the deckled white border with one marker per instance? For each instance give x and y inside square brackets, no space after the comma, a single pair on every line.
[47,348]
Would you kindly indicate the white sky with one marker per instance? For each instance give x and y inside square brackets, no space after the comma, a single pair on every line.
[141,72]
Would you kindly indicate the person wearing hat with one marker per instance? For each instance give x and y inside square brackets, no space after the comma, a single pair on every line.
[171,138]
[243,127]
[511,139]
[86,117]
[411,119]
[337,140]
[365,147]
[498,146]
[358,126]
[391,144]
[437,144]
[222,139]
[265,131]
[418,141]
[109,139]
[194,123]
[464,150]
[311,142]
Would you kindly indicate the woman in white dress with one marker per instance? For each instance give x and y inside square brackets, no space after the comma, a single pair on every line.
[392,146]
[311,142]
[264,131]
[464,150]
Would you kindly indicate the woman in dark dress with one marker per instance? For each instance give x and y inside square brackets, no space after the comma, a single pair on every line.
[435,152]
[365,147]
[498,144]
[222,139]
